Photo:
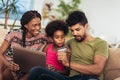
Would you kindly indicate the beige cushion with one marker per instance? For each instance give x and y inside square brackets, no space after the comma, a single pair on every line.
[117,78]
[112,68]
[2,34]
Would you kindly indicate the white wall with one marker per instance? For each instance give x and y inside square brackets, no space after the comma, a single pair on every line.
[103,17]
[37,5]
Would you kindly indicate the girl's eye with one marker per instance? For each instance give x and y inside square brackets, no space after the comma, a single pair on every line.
[63,36]
[56,37]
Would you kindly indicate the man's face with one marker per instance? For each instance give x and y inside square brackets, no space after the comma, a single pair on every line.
[78,31]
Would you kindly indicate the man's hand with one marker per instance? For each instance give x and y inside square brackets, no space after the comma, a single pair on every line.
[62,56]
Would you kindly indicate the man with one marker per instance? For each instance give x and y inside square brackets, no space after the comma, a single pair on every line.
[88,54]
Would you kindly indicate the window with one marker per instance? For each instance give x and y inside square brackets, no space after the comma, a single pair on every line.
[21,6]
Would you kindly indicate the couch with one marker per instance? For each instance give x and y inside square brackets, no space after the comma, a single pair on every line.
[112,67]
[3,32]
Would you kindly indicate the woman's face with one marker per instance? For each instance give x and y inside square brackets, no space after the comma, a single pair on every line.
[33,27]
[58,38]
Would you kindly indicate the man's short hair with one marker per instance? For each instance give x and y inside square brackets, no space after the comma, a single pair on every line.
[76,17]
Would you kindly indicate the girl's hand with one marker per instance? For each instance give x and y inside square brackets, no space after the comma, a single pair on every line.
[51,67]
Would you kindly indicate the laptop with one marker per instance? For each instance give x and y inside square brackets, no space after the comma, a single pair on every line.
[27,58]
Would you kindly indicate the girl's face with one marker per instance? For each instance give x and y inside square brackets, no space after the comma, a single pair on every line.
[59,38]
[33,27]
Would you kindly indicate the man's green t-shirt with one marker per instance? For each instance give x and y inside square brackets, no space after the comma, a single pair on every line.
[84,52]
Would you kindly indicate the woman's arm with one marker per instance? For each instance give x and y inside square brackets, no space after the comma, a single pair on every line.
[3,48]
[45,48]
[11,65]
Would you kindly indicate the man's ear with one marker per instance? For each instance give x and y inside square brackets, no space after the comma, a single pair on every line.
[86,26]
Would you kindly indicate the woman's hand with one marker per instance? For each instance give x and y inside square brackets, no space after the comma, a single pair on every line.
[13,66]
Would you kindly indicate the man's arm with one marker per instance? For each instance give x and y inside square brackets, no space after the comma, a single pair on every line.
[91,69]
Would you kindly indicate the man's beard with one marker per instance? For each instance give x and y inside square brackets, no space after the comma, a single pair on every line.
[81,38]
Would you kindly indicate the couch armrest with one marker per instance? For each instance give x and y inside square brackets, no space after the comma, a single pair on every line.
[112,67]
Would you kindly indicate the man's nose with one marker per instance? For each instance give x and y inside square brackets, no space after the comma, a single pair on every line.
[75,33]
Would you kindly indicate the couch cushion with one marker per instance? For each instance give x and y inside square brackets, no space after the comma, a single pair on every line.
[112,67]
[3,32]
[117,78]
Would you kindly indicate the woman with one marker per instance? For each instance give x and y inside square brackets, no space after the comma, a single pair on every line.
[27,36]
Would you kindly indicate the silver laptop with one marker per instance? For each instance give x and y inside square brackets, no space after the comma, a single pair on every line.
[28,58]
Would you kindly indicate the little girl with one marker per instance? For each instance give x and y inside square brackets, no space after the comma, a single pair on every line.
[56,30]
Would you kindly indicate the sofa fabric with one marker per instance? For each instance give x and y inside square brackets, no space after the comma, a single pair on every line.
[112,67]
